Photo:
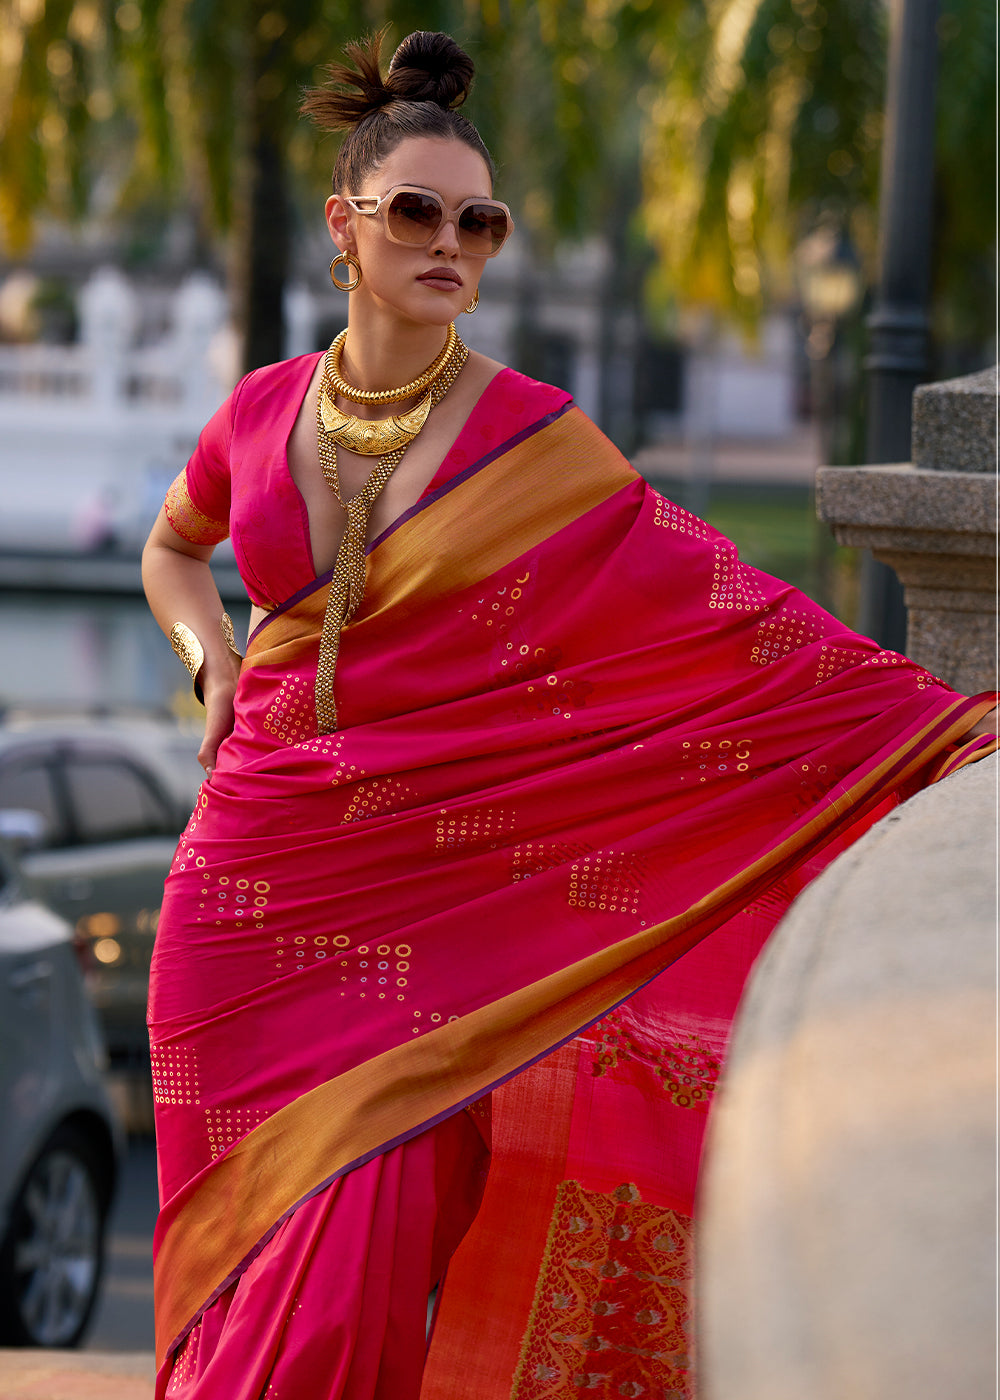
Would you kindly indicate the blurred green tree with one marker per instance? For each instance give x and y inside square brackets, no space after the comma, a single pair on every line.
[718,130]
[766,121]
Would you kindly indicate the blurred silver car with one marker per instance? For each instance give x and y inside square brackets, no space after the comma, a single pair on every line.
[60,1141]
[95,808]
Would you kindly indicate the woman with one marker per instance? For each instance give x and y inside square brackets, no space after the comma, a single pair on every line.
[512,735]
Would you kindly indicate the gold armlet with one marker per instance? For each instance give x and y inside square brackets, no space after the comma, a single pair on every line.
[226,623]
[190,651]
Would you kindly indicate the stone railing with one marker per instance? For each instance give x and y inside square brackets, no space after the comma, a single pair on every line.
[934,521]
[847,1242]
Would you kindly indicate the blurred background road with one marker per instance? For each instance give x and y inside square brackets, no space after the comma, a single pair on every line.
[123,1320]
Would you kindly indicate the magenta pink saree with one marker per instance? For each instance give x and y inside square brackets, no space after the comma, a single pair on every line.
[580,743]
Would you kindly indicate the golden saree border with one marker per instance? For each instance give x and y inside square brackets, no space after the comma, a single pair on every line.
[225,1214]
[289,635]
[963,754]
[516,501]
[520,498]
[602,1230]
[187,520]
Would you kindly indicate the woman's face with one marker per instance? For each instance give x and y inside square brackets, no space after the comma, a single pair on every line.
[429,284]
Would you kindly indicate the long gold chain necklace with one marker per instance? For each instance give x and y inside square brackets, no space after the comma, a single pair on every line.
[347,586]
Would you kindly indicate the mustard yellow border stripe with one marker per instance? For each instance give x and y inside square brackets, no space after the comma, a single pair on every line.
[515,502]
[970,752]
[345,1120]
[523,497]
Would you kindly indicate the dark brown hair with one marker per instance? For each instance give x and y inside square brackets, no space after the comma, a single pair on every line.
[429,76]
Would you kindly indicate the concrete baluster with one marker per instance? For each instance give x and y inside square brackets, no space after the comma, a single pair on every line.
[301,316]
[846,1248]
[200,311]
[108,315]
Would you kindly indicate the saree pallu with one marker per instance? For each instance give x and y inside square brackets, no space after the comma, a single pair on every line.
[577,738]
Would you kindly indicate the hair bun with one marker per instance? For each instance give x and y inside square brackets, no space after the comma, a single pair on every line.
[430,67]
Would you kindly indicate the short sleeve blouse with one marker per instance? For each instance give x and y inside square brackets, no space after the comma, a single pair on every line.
[238,481]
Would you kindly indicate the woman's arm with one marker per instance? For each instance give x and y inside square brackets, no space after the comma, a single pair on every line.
[180,588]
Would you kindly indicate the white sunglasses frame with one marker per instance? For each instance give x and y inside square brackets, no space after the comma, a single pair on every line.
[451,216]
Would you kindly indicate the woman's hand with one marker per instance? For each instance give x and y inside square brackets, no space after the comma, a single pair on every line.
[219,692]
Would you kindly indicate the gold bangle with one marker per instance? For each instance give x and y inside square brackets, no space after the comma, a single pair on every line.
[190,651]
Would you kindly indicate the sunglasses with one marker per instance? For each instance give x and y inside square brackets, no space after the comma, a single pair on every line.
[413,216]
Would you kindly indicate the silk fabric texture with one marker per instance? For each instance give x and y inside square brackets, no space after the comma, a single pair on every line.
[584,753]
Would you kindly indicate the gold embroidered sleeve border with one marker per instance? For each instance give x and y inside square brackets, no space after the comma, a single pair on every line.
[187,520]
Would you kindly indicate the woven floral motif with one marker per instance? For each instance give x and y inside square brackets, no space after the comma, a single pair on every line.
[833,659]
[479,828]
[607,881]
[553,694]
[175,1074]
[674,517]
[499,611]
[610,1316]
[688,1068]
[225,1126]
[532,857]
[374,799]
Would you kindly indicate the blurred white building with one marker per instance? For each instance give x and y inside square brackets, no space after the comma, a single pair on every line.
[92,433]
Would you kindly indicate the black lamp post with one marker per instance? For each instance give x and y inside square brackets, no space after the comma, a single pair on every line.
[899,358]
[830,286]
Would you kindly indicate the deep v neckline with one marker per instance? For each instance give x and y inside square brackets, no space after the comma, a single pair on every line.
[452,460]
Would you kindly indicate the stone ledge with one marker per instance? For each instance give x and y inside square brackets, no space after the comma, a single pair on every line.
[881,539]
[846,1240]
[937,529]
[955,424]
[29,1374]
[902,497]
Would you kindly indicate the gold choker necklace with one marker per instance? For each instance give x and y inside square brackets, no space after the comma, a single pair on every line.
[374,437]
[423,381]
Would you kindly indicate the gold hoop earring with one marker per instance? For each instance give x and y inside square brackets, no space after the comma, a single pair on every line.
[347,260]
[472,304]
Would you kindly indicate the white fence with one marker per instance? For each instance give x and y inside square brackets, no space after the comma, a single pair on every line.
[92,434]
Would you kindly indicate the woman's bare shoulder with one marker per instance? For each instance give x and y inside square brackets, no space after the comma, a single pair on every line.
[481,369]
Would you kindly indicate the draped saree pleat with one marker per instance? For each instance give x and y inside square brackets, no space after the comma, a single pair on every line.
[580,743]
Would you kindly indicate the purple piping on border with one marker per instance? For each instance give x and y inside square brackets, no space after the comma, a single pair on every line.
[303,592]
[942,723]
[420,505]
[468,472]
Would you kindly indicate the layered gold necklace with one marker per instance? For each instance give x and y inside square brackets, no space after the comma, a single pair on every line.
[373,437]
[388,439]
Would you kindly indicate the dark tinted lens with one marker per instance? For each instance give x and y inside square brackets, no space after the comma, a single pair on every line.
[413,217]
[483,228]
